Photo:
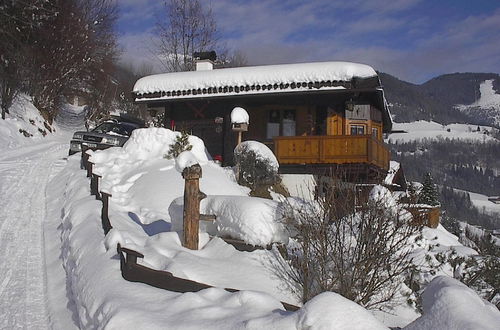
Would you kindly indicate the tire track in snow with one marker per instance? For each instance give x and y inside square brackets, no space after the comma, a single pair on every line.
[23,296]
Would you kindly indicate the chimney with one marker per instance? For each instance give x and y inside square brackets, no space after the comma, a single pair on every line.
[204,65]
[205,60]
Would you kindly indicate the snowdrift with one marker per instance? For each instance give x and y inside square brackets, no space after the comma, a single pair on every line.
[103,299]
[449,304]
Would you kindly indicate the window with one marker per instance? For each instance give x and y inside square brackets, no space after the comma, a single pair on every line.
[375,132]
[281,122]
[357,129]
[288,123]
[273,124]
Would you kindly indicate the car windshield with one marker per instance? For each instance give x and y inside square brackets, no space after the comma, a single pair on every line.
[115,128]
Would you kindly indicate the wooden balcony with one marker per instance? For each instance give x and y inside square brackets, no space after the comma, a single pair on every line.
[332,149]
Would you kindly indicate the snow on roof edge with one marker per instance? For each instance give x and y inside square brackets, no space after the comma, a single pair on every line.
[253,75]
[190,96]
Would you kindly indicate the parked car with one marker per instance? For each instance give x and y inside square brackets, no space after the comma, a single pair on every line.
[110,133]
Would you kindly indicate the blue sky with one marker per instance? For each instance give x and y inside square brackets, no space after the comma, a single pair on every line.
[414,40]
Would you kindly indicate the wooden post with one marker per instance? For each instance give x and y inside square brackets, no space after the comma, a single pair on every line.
[89,169]
[192,198]
[239,137]
[94,185]
[85,157]
[106,224]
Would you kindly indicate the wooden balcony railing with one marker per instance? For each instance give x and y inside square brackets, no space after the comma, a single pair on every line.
[331,149]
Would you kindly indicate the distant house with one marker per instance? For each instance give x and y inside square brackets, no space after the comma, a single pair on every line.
[315,116]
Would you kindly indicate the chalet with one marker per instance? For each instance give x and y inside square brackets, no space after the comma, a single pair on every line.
[315,116]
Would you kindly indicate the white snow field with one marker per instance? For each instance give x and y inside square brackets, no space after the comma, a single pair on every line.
[32,280]
[430,130]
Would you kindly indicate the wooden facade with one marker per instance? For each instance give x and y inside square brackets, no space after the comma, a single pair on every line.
[307,129]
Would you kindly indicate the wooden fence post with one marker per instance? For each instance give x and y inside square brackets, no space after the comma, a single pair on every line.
[106,224]
[90,165]
[85,157]
[192,198]
[94,185]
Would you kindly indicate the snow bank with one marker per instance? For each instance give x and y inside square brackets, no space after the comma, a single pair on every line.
[251,76]
[22,117]
[262,152]
[139,177]
[449,304]
[102,299]
[325,311]
[148,144]
[251,219]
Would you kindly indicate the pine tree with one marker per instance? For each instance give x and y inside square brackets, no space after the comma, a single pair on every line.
[429,194]
[181,144]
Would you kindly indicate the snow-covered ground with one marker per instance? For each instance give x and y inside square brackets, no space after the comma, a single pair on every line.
[32,280]
[59,271]
[430,130]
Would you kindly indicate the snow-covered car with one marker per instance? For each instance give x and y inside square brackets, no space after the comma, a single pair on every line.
[111,133]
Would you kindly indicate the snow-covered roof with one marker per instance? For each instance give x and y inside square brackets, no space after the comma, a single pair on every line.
[252,80]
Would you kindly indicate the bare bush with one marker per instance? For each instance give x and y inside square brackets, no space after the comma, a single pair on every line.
[357,247]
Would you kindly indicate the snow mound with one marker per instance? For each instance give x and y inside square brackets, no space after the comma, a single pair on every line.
[185,159]
[149,143]
[143,182]
[327,310]
[449,304]
[262,152]
[251,219]
[145,145]
[332,311]
[239,116]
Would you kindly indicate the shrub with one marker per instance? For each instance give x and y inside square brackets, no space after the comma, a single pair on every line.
[181,144]
[257,167]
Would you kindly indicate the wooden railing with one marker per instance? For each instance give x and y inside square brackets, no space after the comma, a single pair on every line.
[331,149]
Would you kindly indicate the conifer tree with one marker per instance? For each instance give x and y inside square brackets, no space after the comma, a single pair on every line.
[181,144]
[429,194]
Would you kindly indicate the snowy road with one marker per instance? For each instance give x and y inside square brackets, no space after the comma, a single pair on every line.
[24,175]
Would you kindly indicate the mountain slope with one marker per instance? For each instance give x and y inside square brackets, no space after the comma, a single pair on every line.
[439,99]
